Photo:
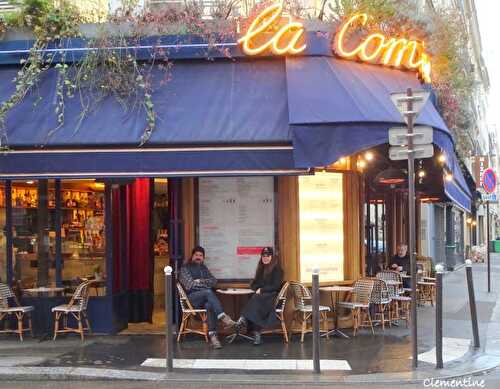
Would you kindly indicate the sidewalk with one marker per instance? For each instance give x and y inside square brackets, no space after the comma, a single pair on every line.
[384,357]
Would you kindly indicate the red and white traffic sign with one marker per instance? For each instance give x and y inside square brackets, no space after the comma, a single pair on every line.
[489,181]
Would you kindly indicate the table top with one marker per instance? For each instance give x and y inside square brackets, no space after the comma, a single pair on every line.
[235,291]
[393,282]
[336,288]
[426,283]
[43,289]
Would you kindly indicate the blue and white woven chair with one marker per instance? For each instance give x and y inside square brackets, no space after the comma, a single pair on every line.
[9,306]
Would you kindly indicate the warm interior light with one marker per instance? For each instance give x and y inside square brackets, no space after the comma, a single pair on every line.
[342,160]
[368,155]
[99,185]
[30,182]
[448,177]
[469,220]
[421,173]
[361,163]
[474,223]
[442,158]
[428,199]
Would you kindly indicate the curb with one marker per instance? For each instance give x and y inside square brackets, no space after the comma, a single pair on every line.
[189,376]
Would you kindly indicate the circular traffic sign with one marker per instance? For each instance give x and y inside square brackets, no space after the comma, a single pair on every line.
[489,180]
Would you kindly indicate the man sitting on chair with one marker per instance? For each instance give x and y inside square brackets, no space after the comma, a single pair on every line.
[198,283]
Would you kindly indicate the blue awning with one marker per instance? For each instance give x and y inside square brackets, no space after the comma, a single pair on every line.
[259,116]
[338,107]
[213,119]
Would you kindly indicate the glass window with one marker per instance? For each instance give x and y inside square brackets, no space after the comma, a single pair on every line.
[82,233]
[33,262]
[3,246]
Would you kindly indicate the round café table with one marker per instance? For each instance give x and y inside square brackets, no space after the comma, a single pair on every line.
[236,293]
[46,299]
[336,289]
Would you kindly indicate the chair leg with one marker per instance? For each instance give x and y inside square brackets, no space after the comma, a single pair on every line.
[80,327]
[20,325]
[355,320]
[304,324]
[30,324]
[56,324]
[324,318]
[204,326]
[89,329]
[181,328]
[283,328]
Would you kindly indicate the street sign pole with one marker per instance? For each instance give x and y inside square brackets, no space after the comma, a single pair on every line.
[411,221]
[488,243]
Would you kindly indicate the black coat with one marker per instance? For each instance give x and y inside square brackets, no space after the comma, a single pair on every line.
[260,308]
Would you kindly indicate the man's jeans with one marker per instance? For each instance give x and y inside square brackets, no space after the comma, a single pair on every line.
[207,299]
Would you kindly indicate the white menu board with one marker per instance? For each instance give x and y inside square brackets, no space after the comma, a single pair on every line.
[321,226]
[236,220]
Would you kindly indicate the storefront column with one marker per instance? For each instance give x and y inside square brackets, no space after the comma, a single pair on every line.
[124,261]
[43,239]
[108,223]
[57,224]
[8,230]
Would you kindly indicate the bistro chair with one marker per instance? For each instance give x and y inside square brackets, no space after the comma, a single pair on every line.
[9,305]
[76,309]
[400,304]
[303,309]
[381,302]
[360,304]
[188,314]
[279,309]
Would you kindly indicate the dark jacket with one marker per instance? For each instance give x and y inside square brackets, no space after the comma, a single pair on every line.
[192,271]
[260,308]
[404,262]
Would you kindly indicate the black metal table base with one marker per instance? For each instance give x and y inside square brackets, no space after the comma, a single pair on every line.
[334,332]
[231,338]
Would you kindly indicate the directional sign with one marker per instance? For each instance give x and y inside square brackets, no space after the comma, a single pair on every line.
[419,99]
[490,197]
[397,153]
[489,180]
[398,136]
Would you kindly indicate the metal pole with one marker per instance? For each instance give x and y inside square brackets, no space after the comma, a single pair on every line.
[411,221]
[472,302]
[488,243]
[169,344]
[315,319]
[439,316]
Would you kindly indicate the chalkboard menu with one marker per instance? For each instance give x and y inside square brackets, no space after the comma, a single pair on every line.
[236,219]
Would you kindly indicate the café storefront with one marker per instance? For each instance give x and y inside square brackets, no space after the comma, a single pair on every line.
[260,149]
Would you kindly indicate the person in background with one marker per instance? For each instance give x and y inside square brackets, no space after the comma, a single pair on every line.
[401,262]
[198,282]
[259,311]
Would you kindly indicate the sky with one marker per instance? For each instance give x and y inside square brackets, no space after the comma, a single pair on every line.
[487,12]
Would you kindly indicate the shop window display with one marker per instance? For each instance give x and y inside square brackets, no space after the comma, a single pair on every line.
[83,233]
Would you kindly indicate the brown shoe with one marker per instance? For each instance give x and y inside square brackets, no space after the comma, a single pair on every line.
[227,322]
[214,341]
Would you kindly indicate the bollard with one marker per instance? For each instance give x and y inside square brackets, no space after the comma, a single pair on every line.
[315,319]
[472,302]
[439,316]
[169,344]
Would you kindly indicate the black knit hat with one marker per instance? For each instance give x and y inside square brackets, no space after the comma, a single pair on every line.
[198,249]
[267,251]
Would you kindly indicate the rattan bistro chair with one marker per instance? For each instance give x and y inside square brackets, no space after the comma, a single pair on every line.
[381,302]
[279,309]
[76,309]
[360,304]
[188,314]
[303,309]
[20,312]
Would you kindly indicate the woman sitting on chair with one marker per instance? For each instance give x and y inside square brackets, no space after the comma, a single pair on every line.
[259,311]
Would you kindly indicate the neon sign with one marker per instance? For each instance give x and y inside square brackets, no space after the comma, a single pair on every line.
[284,37]
[377,48]
[275,33]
